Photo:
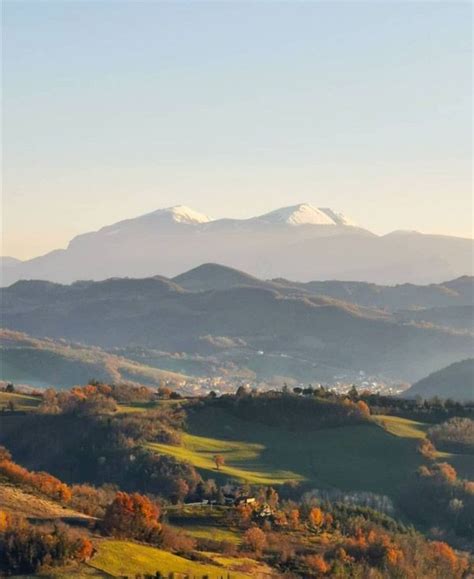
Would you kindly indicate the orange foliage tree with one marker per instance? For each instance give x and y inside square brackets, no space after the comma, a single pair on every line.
[316,517]
[363,408]
[132,516]
[41,481]
[316,563]
[294,519]
[255,539]
[443,557]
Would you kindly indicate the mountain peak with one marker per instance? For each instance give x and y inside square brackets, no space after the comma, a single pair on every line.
[305,214]
[182,214]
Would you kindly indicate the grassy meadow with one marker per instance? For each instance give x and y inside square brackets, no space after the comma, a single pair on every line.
[405,428]
[22,402]
[375,457]
[357,457]
[124,558]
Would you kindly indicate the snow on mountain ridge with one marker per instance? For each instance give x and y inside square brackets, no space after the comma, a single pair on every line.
[302,214]
[338,218]
[183,214]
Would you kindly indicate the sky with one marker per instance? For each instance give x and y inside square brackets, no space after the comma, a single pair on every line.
[113,108]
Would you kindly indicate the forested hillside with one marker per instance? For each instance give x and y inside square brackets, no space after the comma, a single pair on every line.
[46,362]
[241,322]
[456,381]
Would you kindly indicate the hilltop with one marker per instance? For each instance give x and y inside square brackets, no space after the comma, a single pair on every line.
[455,381]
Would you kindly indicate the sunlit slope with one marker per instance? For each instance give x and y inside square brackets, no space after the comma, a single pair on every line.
[20,402]
[124,558]
[405,428]
[361,457]
[44,363]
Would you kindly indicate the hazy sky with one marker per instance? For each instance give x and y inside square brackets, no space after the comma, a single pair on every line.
[112,109]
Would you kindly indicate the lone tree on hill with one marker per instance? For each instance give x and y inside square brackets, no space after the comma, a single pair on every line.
[219,460]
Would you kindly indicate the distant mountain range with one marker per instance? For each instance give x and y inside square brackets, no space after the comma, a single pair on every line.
[457,292]
[455,382]
[300,330]
[301,242]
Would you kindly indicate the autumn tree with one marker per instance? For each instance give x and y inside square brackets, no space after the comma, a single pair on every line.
[179,489]
[41,481]
[219,461]
[316,563]
[271,497]
[444,558]
[426,449]
[85,549]
[25,548]
[316,517]
[294,519]
[255,539]
[244,513]
[132,516]
[363,408]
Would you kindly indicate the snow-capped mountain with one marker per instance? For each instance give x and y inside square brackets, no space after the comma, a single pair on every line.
[179,214]
[301,242]
[303,214]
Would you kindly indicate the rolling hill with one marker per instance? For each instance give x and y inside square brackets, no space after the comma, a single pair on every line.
[455,382]
[455,317]
[45,362]
[448,304]
[158,313]
[352,458]
[377,456]
[242,321]
[456,293]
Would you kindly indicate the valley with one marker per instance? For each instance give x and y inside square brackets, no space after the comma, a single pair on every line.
[222,325]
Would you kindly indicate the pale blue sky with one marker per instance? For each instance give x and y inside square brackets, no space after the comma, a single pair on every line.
[112,109]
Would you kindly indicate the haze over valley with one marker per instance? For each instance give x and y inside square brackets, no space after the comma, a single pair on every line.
[217,322]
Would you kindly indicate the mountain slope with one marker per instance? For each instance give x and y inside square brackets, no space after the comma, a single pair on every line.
[299,242]
[458,292]
[448,304]
[456,382]
[455,317]
[157,313]
[46,363]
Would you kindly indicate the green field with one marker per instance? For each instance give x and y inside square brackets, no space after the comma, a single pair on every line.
[203,531]
[120,558]
[402,426]
[134,407]
[22,402]
[405,428]
[204,523]
[362,457]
